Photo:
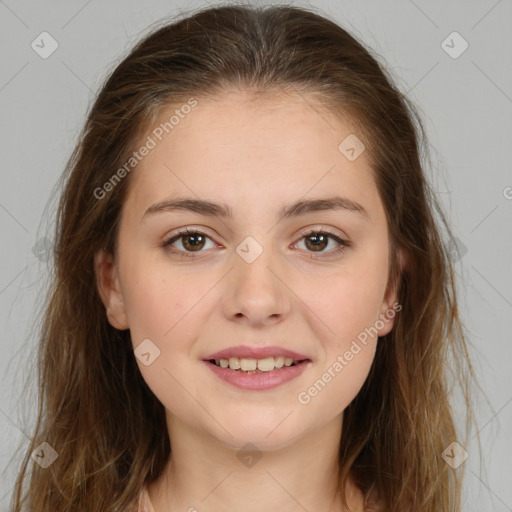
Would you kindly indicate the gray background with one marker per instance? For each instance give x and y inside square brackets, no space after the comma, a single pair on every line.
[466,103]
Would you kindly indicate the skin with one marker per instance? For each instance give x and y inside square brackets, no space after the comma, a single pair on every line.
[256,158]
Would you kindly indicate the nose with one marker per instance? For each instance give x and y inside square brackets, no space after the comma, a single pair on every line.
[256,293]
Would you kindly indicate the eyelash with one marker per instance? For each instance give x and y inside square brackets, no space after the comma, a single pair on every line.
[167,244]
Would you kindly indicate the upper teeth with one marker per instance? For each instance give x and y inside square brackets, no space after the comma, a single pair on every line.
[264,365]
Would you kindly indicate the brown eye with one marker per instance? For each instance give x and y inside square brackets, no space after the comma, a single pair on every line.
[190,241]
[193,242]
[317,241]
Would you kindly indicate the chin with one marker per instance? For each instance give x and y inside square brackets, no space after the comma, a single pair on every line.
[259,434]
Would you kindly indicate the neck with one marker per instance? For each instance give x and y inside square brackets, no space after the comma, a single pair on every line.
[204,474]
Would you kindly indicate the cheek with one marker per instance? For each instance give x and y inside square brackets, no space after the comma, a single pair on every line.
[158,301]
[340,376]
[165,314]
[150,312]
[348,303]
[167,308]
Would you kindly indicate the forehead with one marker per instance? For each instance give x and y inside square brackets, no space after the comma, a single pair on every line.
[247,150]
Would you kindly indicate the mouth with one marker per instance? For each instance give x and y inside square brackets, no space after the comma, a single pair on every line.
[262,373]
[252,365]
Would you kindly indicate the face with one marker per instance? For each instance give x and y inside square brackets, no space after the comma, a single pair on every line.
[313,281]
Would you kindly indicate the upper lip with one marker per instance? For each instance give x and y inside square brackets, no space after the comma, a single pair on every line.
[247,352]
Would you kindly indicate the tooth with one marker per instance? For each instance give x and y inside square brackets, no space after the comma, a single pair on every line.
[279,361]
[248,364]
[234,363]
[266,365]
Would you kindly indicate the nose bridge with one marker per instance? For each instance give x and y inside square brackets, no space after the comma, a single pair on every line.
[253,261]
[255,289]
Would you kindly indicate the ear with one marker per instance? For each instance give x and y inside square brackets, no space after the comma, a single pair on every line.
[390,306]
[107,281]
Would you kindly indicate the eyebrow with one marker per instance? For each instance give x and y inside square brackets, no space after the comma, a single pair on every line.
[300,207]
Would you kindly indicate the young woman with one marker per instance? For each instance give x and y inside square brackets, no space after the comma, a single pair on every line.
[252,305]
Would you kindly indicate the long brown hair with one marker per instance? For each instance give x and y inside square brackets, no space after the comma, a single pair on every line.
[93,402]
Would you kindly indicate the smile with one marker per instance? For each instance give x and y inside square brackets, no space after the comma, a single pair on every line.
[257,374]
[255,365]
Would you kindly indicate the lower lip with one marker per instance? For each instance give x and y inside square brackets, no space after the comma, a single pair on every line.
[258,381]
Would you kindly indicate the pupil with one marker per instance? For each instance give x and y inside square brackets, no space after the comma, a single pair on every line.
[320,241]
[196,241]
